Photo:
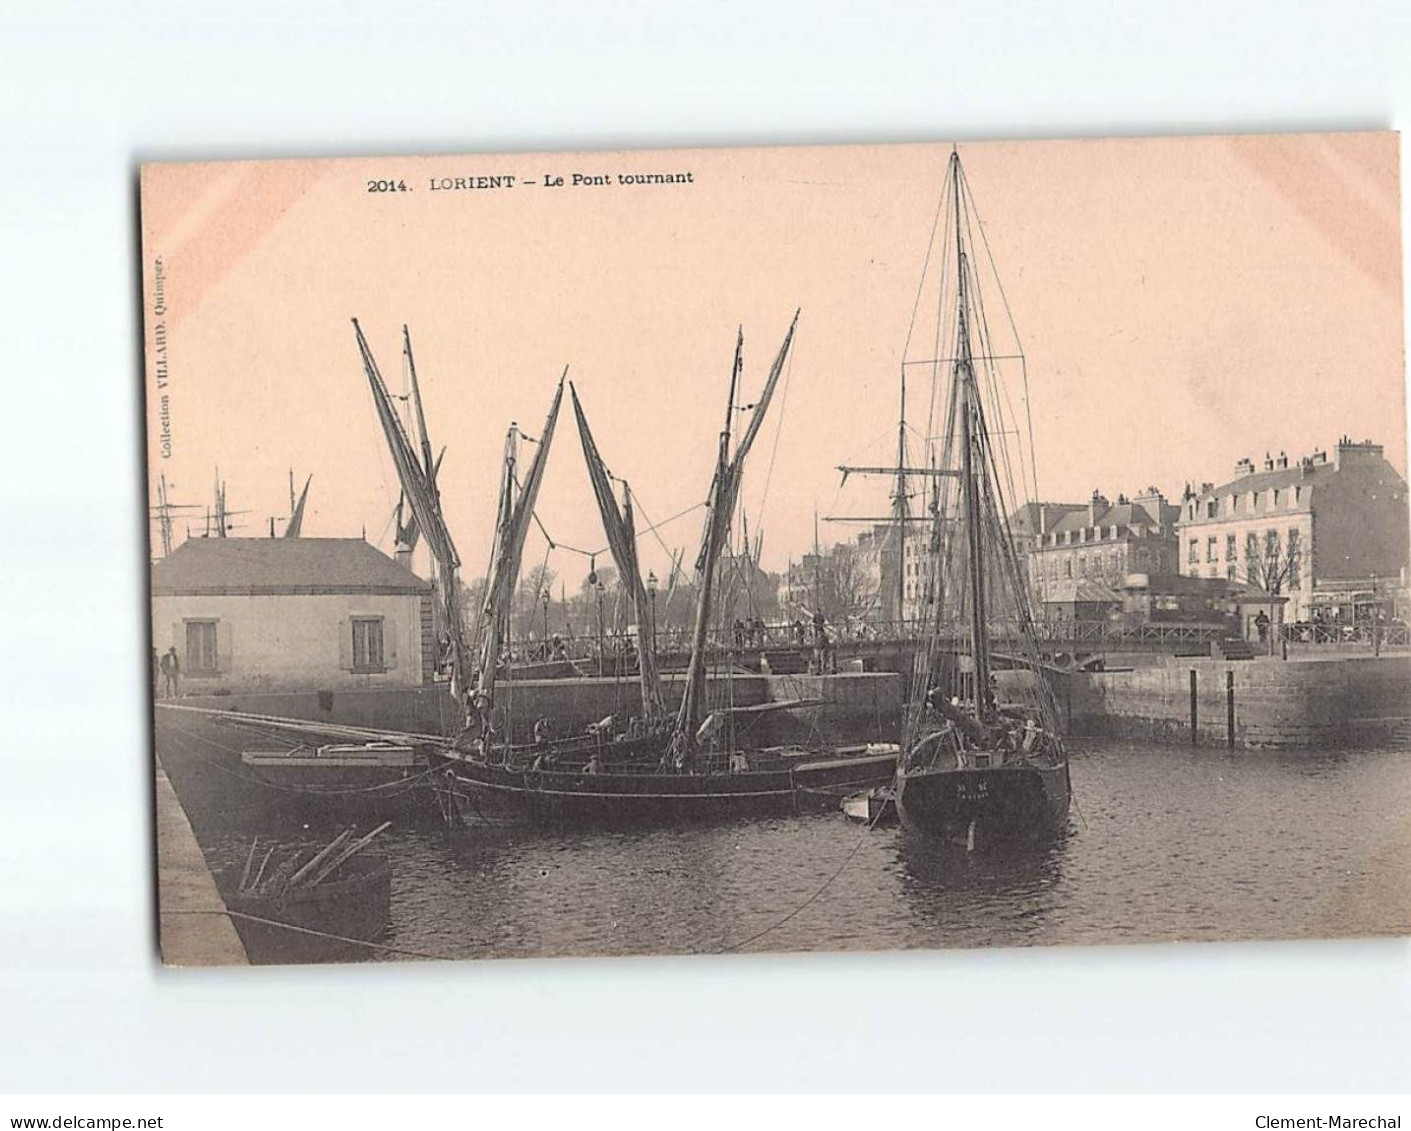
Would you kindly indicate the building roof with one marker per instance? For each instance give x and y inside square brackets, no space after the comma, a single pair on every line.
[1281,477]
[1026,519]
[1122,515]
[1079,591]
[250,566]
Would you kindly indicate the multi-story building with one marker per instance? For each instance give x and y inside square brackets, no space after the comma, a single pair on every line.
[851,581]
[1315,531]
[1101,542]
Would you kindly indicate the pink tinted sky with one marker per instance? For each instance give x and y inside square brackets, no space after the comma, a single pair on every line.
[1181,303]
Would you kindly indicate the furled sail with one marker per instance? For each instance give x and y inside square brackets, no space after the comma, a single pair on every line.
[724,492]
[515,516]
[620,528]
[296,516]
[419,489]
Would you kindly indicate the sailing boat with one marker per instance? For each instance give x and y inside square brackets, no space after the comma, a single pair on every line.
[664,769]
[983,760]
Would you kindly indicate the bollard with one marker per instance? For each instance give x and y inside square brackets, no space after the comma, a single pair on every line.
[1230,709]
[1195,715]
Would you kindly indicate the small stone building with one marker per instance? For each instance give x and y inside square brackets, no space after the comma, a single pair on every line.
[291,614]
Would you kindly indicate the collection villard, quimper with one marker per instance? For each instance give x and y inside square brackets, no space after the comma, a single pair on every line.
[981,759]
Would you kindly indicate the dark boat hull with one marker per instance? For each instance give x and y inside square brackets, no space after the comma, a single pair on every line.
[488,794]
[976,806]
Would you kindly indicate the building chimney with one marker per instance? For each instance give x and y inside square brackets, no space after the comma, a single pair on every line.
[1283,460]
[1097,506]
[1244,467]
[1268,462]
[1350,449]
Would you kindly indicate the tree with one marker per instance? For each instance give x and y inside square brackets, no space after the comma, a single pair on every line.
[1273,565]
[849,587]
[535,589]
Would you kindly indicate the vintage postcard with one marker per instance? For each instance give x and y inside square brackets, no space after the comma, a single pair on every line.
[827,548]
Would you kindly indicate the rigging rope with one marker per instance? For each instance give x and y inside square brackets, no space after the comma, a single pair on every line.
[228,913]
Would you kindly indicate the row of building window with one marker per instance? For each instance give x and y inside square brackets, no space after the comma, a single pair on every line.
[1274,555]
[1070,566]
[202,657]
[1273,499]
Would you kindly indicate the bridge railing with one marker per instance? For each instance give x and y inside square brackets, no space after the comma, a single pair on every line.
[1065,635]
[1386,635]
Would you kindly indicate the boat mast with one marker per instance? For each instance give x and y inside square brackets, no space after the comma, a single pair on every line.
[693,701]
[511,528]
[971,466]
[899,507]
[817,567]
[164,515]
[724,492]
[619,524]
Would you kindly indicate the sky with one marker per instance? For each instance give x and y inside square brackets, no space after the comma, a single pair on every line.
[1181,303]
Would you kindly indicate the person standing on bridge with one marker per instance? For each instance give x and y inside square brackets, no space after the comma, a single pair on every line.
[171,671]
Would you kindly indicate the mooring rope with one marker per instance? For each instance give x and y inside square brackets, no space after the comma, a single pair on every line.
[821,889]
[319,934]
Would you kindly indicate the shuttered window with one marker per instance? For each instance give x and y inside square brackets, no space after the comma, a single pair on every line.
[367,644]
[200,646]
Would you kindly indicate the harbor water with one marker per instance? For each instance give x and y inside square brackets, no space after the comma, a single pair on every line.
[1164,843]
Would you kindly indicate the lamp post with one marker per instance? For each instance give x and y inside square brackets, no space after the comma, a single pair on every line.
[652,589]
[598,592]
[1376,615]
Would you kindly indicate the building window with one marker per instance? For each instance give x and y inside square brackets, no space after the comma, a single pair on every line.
[367,644]
[1230,554]
[1068,568]
[1254,501]
[1193,555]
[1234,507]
[201,647]
[1297,494]
[1082,565]
[1210,549]
[1211,509]
[1230,571]
[1293,568]
[1276,497]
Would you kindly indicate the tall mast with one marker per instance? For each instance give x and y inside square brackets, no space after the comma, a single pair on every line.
[817,567]
[164,515]
[427,462]
[899,504]
[693,699]
[970,466]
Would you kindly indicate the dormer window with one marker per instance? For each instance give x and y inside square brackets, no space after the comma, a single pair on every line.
[1211,508]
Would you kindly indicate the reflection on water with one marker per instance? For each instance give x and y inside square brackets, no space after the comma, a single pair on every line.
[1163,843]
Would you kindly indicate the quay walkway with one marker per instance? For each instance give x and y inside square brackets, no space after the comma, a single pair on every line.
[193,927]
